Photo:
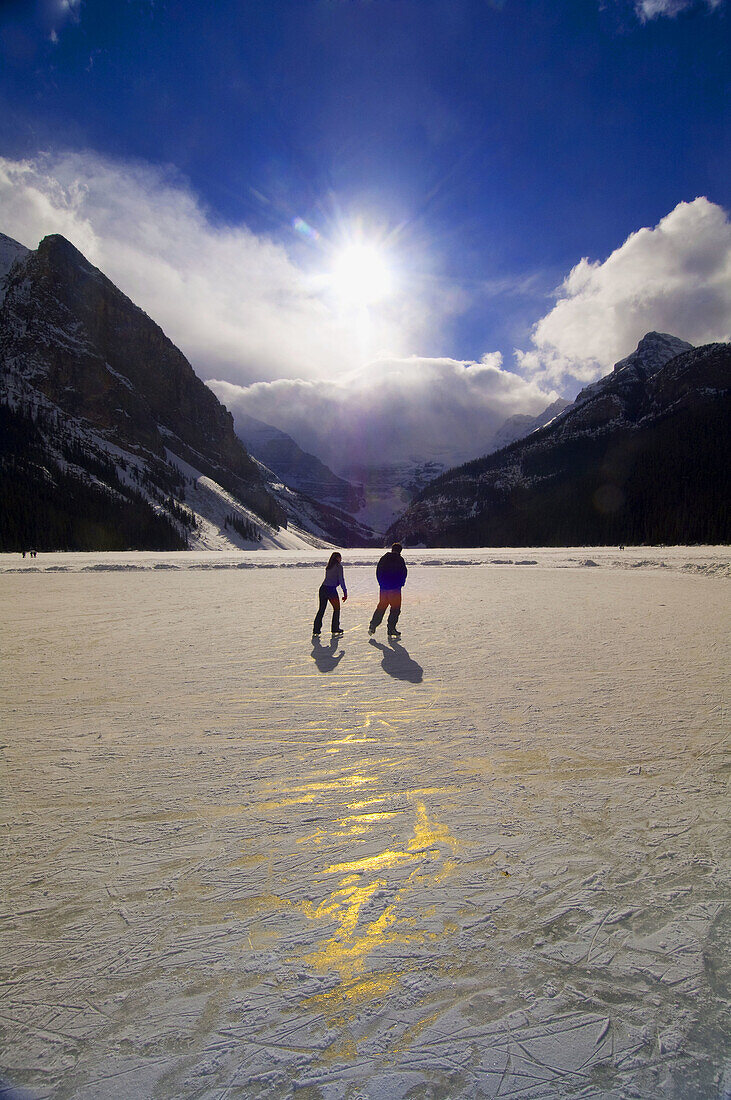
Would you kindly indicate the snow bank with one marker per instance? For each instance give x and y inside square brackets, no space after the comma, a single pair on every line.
[703,560]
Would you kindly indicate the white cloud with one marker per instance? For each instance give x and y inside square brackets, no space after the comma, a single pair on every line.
[394,410]
[651,9]
[243,312]
[674,278]
[233,301]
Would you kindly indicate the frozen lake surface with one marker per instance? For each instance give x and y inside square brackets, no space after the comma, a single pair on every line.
[489,860]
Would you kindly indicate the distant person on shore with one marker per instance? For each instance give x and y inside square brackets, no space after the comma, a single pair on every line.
[391,574]
[334,578]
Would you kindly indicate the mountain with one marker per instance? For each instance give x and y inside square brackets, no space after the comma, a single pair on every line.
[389,488]
[109,439]
[365,500]
[321,520]
[641,456]
[653,352]
[295,467]
[521,425]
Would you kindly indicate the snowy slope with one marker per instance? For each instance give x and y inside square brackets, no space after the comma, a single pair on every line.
[320,520]
[490,860]
[10,251]
[212,506]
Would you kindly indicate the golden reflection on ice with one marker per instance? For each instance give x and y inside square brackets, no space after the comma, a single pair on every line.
[345,903]
[369,819]
[369,908]
[368,863]
[347,996]
[344,1050]
[372,717]
[308,792]
[351,739]
[414,1031]
[343,781]
[428,834]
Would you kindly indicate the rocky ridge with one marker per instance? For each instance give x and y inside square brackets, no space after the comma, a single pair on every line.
[296,467]
[640,456]
[104,415]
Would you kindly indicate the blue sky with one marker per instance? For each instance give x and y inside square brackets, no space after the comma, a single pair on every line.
[489,145]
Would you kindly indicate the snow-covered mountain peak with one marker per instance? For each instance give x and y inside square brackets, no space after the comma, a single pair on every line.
[654,350]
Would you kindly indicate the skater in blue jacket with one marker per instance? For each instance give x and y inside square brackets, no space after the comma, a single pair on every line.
[391,576]
[334,578]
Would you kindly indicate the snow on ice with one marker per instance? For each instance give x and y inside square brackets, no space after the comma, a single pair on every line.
[489,859]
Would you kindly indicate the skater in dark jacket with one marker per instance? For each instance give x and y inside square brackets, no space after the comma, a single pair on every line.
[334,578]
[391,574]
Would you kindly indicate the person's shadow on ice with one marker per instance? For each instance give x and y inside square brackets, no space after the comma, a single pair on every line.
[397,662]
[325,656]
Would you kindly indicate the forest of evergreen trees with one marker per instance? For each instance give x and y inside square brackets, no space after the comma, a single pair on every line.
[45,507]
[245,527]
[668,484]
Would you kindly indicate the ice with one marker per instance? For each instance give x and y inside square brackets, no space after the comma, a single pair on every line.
[487,860]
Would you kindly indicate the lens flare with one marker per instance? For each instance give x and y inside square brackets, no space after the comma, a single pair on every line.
[305,229]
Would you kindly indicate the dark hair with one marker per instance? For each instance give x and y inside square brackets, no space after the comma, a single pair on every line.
[396,548]
[335,556]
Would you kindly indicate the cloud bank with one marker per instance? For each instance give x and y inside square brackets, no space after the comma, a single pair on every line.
[245,314]
[233,301]
[249,317]
[395,410]
[674,278]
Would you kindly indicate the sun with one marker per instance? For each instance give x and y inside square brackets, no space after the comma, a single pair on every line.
[361,275]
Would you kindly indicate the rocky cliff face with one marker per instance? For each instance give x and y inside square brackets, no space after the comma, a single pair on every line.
[101,379]
[69,333]
[654,350]
[640,456]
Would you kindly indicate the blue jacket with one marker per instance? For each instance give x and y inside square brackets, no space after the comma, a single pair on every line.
[391,571]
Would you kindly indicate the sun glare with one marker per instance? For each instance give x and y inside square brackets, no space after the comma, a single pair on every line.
[360,275]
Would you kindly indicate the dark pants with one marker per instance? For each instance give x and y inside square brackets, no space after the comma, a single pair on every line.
[388,598]
[326,594]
